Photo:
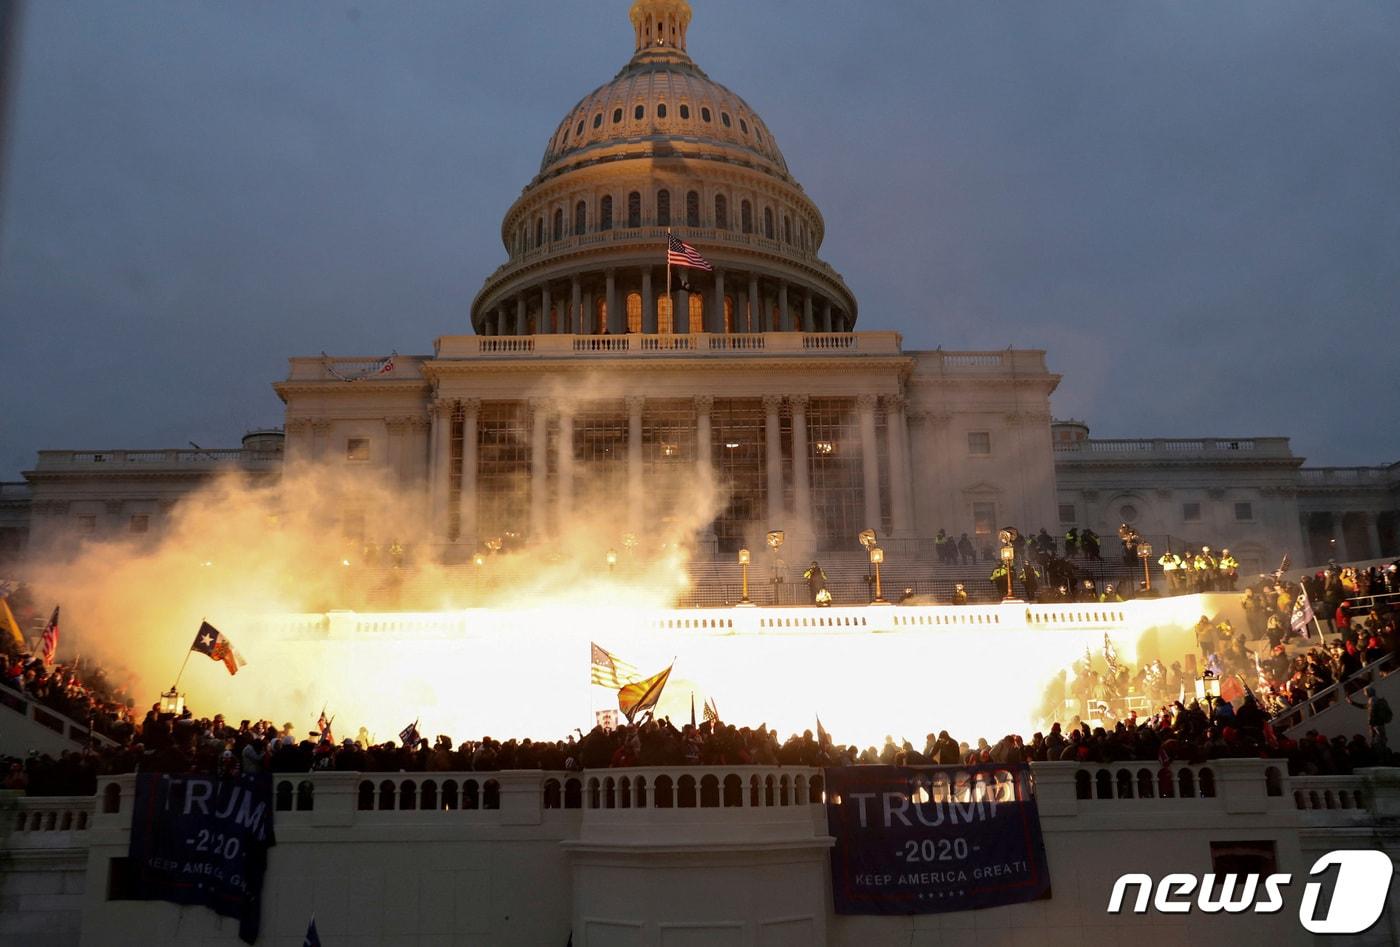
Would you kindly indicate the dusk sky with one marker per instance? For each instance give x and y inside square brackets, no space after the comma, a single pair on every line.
[1194,207]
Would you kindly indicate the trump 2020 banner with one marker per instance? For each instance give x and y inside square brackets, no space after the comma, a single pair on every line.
[929,839]
[203,840]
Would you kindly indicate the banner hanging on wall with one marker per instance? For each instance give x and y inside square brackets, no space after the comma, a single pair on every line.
[203,840]
[931,839]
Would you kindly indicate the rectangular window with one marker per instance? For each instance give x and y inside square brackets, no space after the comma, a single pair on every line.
[1067,513]
[139,523]
[984,518]
[1191,512]
[1244,511]
[979,442]
[87,524]
[357,448]
[1244,858]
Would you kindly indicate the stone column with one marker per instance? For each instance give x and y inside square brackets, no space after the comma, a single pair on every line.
[703,437]
[545,314]
[870,460]
[614,327]
[634,461]
[467,502]
[564,467]
[784,319]
[680,316]
[807,324]
[520,324]
[539,467]
[648,303]
[714,319]
[801,469]
[575,321]
[826,316]
[773,456]
[901,496]
[756,321]
[442,454]
[588,320]
[1373,534]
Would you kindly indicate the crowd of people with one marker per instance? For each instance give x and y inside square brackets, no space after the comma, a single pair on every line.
[1275,662]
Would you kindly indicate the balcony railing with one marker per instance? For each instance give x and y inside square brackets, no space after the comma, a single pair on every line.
[1223,447]
[689,345]
[1344,476]
[57,460]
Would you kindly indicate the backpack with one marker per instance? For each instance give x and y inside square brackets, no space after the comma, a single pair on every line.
[1380,710]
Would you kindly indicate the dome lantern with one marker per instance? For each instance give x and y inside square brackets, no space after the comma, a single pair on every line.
[660,24]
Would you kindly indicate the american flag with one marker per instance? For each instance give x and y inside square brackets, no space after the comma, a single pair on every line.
[409,734]
[51,637]
[680,253]
[323,723]
[711,712]
[609,670]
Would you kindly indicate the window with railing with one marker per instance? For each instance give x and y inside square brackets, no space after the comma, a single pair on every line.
[721,212]
[663,208]
[634,209]
[837,478]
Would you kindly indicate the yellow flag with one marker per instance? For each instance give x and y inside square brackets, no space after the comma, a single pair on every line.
[632,699]
[7,621]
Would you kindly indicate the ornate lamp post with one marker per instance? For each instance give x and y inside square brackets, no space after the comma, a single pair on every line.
[775,542]
[612,559]
[877,556]
[1145,554]
[1008,562]
[744,558]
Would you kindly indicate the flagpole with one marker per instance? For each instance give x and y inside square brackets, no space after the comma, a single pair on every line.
[176,685]
[669,302]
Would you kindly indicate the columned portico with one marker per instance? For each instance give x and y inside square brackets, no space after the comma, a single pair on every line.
[801,473]
[870,460]
[539,468]
[634,461]
[466,499]
[564,466]
[773,458]
[441,437]
[901,499]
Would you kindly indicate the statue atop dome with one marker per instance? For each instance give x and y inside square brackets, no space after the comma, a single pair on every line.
[660,24]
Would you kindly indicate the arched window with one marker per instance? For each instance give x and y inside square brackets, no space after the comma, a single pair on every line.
[721,212]
[685,111]
[580,217]
[639,112]
[660,109]
[598,120]
[634,209]
[697,312]
[605,213]
[539,231]
[746,216]
[617,115]
[578,132]
[728,313]
[692,209]
[704,114]
[663,208]
[743,126]
[663,316]
[724,119]
[634,312]
[768,222]
[558,223]
[600,312]
[787,229]
[758,134]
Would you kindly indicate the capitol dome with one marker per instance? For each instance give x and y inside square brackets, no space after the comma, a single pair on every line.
[662,148]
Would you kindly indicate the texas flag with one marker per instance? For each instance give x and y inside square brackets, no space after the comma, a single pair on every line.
[210,641]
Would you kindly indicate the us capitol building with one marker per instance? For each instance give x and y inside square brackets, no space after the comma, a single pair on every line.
[582,377]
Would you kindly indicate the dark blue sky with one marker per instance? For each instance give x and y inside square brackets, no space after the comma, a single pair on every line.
[1194,206]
